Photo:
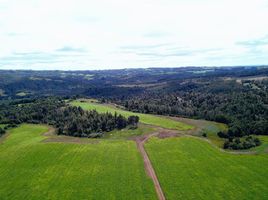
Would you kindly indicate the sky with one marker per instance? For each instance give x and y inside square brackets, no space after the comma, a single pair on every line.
[112,34]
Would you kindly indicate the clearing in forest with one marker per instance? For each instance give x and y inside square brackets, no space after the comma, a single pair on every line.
[144,118]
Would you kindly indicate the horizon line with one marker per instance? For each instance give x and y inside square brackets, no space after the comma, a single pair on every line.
[129,68]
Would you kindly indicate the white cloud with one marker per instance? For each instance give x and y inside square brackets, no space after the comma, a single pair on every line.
[194,32]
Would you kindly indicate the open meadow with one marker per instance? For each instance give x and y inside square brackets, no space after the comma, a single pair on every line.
[187,164]
[33,169]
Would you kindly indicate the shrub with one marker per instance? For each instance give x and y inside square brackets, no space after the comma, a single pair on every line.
[204,135]
[2,131]
[242,143]
[222,134]
[95,135]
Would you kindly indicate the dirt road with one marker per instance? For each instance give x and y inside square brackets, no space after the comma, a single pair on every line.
[148,165]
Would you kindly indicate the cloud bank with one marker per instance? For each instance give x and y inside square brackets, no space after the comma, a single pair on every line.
[104,34]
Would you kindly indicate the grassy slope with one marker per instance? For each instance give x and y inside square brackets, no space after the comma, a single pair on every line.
[264,144]
[31,169]
[212,129]
[189,168]
[127,133]
[144,118]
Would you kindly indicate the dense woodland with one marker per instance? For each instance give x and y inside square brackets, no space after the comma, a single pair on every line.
[244,109]
[242,105]
[237,96]
[68,120]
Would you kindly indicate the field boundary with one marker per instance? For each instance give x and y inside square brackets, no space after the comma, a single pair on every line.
[52,137]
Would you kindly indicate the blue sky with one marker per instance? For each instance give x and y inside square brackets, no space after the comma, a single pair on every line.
[106,34]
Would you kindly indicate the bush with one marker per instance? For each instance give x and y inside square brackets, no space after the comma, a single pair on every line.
[2,131]
[11,126]
[204,135]
[95,135]
[257,141]
[241,143]
[226,145]
[222,134]
[235,131]
[133,120]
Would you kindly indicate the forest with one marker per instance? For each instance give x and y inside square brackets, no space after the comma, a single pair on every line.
[244,109]
[68,120]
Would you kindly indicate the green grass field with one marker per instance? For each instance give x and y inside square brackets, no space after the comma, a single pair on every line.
[211,129]
[189,168]
[32,169]
[144,118]
[128,133]
[263,148]
[112,167]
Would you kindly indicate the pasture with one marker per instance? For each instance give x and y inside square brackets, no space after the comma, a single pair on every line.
[263,148]
[33,169]
[144,118]
[191,168]
[128,133]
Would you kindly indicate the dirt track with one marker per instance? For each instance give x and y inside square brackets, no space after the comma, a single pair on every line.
[148,165]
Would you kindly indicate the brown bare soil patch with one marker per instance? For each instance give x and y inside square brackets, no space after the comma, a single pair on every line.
[165,133]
